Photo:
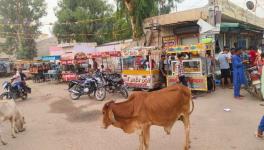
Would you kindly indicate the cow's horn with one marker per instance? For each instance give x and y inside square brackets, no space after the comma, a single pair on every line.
[112,116]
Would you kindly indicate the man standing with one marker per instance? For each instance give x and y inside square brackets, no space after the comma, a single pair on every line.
[162,71]
[260,128]
[252,55]
[225,68]
[180,69]
[238,73]
[95,65]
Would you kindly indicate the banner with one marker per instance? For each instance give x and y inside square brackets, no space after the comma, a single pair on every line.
[169,41]
[49,58]
[172,80]
[141,81]
[198,83]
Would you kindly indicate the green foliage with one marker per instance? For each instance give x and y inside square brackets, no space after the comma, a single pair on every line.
[138,10]
[22,23]
[102,29]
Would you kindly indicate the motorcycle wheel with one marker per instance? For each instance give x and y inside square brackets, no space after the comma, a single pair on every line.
[5,96]
[124,92]
[100,94]
[75,96]
[259,94]
[24,96]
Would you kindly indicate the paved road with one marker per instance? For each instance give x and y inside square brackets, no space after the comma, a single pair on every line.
[54,122]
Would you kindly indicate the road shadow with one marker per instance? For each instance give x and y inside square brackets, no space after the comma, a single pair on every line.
[73,113]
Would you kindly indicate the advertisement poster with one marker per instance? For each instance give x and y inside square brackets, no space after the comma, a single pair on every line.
[139,81]
[172,80]
[198,83]
[169,41]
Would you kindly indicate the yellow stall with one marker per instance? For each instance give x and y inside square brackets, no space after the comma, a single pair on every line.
[198,65]
[140,67]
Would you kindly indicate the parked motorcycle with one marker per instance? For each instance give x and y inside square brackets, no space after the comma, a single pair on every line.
[87,86]
[13,92]
[115,84]
[254,82]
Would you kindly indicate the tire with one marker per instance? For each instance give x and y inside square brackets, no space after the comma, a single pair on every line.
[75,96]
[24,96]
[124,92]
[4,96]
[100,94]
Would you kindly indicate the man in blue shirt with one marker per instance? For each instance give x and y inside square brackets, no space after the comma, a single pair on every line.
[260,128]
[238,73]
[225,68]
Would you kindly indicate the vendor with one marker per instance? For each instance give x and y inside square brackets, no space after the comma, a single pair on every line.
[146,63]
[180,69]
[162,71]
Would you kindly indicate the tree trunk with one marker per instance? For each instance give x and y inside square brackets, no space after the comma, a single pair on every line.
[130,8]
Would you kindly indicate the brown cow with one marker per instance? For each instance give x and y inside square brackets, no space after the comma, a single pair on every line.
[143,109]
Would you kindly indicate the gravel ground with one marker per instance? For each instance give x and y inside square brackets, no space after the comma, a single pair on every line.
[54,122]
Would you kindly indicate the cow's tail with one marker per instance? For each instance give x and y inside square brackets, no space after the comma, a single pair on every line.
[191,99]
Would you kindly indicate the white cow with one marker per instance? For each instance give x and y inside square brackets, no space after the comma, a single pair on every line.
[9,111]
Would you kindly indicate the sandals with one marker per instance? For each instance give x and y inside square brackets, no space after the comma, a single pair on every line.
[260,136]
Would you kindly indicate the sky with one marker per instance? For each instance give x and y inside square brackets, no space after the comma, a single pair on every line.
[187,4]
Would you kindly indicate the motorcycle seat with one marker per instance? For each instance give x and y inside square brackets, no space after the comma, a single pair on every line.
[117,79]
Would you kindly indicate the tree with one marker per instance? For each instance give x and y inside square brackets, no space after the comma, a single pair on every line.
[21,26]
[138,10]
[87,21]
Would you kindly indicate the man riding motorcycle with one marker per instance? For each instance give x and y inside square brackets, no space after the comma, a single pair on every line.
[19,80]
[16,80]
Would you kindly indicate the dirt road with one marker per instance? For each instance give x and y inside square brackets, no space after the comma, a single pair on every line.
[54,122]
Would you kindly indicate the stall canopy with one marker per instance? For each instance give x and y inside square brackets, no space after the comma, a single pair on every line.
[72,58]
[55,51]
[189,48]
[50,58]
[140,51]
[111,50]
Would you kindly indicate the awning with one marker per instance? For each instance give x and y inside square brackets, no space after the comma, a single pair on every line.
[229,25]
[50,58]
[71,58]
[226,26]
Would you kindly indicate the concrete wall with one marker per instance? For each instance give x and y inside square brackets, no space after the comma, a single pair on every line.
[44,45]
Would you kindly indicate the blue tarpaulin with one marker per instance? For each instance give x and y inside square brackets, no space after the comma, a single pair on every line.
[48,58]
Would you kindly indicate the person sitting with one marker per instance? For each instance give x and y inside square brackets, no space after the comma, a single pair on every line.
[146,64]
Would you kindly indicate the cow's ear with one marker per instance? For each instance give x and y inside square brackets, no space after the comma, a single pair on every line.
[111,116]
[109,103]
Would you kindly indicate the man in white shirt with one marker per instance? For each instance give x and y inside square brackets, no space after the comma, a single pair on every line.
[224,59]
[16,79]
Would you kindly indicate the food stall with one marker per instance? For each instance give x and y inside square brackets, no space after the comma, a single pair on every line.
[110,60]
[197,65]
[140,68]
[69,62]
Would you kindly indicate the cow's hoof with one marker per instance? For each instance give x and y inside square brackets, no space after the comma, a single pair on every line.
[187,148]
[13,136]
[4,143]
